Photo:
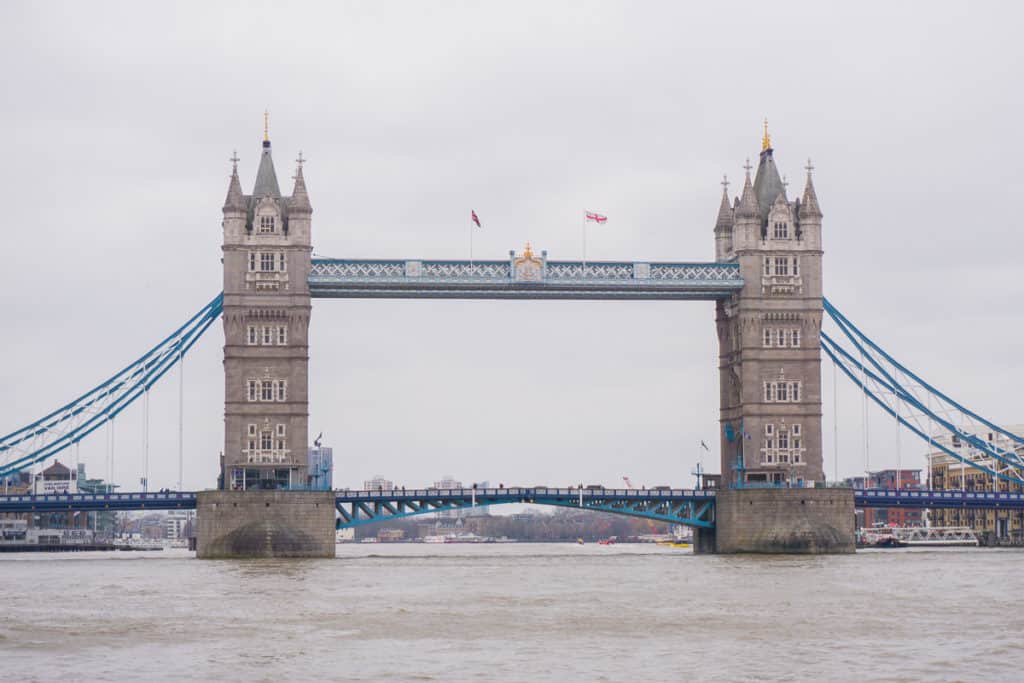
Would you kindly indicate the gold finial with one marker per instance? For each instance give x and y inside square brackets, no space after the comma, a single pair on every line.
[528,253]
[266,126]
[766,141]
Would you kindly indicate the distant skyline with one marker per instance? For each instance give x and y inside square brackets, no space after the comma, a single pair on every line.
[120,120]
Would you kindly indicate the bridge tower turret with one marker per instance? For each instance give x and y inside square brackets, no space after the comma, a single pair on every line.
[769,353]
[266,256]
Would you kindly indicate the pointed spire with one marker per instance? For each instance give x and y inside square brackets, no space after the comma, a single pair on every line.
[748,200]
[766,140]
[234,201]
[809,205]
[724,221]
[266,177]
[300,197]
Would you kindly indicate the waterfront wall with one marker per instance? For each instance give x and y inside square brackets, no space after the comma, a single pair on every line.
[788,521]
[247,524]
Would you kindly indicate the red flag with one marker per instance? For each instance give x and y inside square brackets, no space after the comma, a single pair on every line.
[596,217]
[472,214]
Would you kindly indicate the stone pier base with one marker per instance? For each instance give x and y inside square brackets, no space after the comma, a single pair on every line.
[786,521]
[247,524]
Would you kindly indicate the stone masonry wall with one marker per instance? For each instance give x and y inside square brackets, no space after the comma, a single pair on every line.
[237,524]
[811,521]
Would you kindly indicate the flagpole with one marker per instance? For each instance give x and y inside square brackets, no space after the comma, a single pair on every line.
[584,238]
[471,243]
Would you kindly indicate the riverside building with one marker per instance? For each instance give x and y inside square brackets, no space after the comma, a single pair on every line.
[950,474]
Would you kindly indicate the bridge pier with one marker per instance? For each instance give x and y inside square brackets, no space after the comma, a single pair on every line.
[252,524]
[778,520]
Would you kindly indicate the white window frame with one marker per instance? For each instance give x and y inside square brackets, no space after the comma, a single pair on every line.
[282,335]
[282,262]
[266,261]
[253,390]
[252,261]
[782,265]
[281,390]
[267,390]
[251,338]
[267,224]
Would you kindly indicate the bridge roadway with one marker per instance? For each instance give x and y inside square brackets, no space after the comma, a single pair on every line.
[355,508]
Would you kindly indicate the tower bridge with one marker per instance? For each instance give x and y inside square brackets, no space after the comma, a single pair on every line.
[766,285]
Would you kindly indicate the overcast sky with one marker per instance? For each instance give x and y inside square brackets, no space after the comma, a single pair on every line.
[119,118]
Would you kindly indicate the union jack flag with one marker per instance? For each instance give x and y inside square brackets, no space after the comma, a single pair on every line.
[472,214]
[596,217]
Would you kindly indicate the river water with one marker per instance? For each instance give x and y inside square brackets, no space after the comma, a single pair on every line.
[515,612]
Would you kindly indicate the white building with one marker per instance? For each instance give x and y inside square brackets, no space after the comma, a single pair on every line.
[378,483]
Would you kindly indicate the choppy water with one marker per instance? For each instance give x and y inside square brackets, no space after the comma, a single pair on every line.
[517,612]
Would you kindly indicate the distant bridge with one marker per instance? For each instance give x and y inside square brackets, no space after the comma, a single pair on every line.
[691,507]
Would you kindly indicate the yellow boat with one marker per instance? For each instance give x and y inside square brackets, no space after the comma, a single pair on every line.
[672,544]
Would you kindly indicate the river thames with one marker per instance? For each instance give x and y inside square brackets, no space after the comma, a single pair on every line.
[515,612]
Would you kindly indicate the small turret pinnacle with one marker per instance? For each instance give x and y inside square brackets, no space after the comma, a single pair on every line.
[234,201]
[809,207]
[266,128]
[300,197]
[724,221]
[766,140]
[748,200]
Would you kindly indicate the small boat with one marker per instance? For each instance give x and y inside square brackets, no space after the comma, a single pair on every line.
[607,541]
[673,544]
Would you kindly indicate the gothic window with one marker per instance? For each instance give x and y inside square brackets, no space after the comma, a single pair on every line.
[252,430]
[253,390]
[252,261]
[782,265]
[282,335]
[767,266]
[796,265]
[794,338]
[268,334]
[280,430]
[783,441]
[796,430]
[266,441]
[251,338]
[781,230]
[267,390]
[266,224]
[782,392]
[767,337]
[282,390]
[266,262]
[281,263]
[781,338]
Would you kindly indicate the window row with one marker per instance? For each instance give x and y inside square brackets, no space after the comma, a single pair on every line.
[782,445]
[268,389]
[267,224]
[267,262]
[781,337]
[267,335]
[781,265]
[266,439]
[782,392]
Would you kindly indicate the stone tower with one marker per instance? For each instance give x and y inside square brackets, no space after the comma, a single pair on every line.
[267,253]
[769,352]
